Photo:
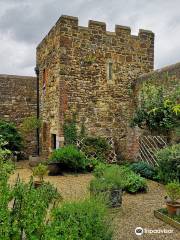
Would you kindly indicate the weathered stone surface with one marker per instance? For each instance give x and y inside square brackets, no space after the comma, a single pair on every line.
[77,60]
[18,101]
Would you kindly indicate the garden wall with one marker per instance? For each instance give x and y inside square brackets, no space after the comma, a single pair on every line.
[18,101]
[168,77]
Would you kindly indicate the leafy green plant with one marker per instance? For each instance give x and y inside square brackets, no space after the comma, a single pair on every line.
[10,134]
[117,177]
[173,191]
[29,124]
[83,220]
[97,146]
[158,109]
[69,157]
[144,169]
[40,171]
[70,130]
[169,163]
[135,183]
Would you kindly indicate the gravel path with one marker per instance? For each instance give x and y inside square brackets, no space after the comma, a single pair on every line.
[137,210]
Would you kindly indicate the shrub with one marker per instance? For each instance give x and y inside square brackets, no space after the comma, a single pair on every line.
[29,124]
[158,110]
[69,157]
[11,135]
[40,171]
[169,163]
[83,220]
[173,190]
[27,214]
[118,177]
[96,146]
[135,183]
[144,169]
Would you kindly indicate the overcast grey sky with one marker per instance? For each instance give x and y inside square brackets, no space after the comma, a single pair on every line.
[23,24]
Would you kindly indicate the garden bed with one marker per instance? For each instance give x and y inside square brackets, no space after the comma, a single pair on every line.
[162,215]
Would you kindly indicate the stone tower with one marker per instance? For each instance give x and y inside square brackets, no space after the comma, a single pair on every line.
[89,71]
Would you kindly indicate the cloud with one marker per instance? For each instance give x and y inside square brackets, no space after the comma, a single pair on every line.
[23,24]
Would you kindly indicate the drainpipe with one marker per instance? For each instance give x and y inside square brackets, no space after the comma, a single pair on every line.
[37,88]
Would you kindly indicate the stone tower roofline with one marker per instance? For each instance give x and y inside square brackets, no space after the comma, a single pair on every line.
[65,20]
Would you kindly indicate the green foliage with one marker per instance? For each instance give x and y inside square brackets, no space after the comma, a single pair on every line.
[30,209]
[40,170]
[29,124]
[10,134]
[6,165]
[99,169]
[85,220]
[117,177]
[69,157]
[144,169]
[158,110]
[173,190]
[97,146]
[70,131]
[24,209]
[169,163]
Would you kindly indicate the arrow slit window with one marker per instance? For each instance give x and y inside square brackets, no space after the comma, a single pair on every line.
[110,71]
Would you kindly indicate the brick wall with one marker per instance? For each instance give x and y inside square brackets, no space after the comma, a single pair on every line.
[18,101]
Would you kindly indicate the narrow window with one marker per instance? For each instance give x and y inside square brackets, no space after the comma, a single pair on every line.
[110,65]
[45,76]
[53,141]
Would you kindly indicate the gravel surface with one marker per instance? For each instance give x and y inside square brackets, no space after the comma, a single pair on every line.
[136,211]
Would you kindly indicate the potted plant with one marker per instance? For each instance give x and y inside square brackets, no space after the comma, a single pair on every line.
[173,195]
[110,192]
[39,171]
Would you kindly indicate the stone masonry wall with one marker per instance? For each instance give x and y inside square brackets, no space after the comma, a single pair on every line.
[18,101]
[78,59]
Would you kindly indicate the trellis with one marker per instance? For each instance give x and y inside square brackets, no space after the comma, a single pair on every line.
[148,146]
[111,155]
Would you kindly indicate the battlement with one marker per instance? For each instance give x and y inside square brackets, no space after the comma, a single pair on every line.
[69,23]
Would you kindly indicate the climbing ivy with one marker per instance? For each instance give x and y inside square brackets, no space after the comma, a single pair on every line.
[70,130]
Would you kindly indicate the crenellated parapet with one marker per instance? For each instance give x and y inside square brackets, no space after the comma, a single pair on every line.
[69,23]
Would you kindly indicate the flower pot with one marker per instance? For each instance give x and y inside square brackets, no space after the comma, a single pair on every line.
[173,208]
[115,198]
[54,169]
[34,161]
[37,184]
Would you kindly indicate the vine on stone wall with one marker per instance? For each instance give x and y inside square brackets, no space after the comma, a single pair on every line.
[70,130]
